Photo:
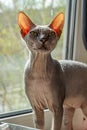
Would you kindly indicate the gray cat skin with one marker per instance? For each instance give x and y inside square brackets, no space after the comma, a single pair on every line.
[60,86]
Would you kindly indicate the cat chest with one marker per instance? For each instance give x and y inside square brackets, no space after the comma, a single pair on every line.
[39,86]
[41,94]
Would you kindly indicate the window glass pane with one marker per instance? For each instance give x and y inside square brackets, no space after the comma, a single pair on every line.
[13,52]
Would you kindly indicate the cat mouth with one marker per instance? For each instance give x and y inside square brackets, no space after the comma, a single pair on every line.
[43,48]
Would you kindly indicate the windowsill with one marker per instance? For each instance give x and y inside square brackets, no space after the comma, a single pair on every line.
[15,113]
[27,119]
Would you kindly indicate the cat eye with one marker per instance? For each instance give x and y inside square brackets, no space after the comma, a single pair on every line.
[52,34]
[34,34]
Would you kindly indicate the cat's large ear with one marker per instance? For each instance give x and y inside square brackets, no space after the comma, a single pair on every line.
[58,23]
[24,23]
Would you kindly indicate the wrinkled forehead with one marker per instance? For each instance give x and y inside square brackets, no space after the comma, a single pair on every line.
[44,28]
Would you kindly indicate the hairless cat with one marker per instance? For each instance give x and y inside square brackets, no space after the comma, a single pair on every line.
[60,86]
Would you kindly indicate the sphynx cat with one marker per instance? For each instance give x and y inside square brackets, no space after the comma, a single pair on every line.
[60,86]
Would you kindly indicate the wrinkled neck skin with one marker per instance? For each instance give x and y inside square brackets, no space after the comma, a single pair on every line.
[41,63]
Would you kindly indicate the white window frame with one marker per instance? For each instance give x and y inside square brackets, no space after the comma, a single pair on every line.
[80,53]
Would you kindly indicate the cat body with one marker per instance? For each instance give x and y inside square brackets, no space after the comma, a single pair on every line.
[59,86]
[43,94]
[50,93]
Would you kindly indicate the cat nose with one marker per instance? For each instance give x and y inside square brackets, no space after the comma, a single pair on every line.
[43,40]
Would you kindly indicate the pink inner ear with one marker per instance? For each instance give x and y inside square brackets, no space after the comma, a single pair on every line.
[58,30]
[24,26]
[57,24]
[24,23]
[58,27]
[24,32]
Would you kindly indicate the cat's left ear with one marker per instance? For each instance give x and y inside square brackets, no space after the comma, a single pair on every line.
[58,23]
[24,23]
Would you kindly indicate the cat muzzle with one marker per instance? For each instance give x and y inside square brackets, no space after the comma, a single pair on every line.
[43,40]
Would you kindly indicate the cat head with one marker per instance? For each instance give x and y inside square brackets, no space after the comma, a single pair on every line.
[40,38]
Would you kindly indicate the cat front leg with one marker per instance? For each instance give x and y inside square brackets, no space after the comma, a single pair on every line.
[67,118]
[57,119]
[39,118]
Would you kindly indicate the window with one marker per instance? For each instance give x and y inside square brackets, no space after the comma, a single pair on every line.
[13,53]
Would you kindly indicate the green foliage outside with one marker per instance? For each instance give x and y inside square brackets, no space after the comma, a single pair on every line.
[13,52]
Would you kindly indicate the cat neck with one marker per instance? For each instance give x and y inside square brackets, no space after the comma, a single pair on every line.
[41,63]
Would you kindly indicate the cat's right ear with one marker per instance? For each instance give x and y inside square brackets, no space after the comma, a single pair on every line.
[24,23]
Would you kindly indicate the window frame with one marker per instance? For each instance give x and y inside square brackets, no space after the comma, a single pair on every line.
[15,113]
[84,22]
[79,53]
[70,30]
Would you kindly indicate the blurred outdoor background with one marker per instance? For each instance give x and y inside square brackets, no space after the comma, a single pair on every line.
[13,52]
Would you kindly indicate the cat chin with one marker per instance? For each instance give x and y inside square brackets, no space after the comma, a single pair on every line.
[41,50]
